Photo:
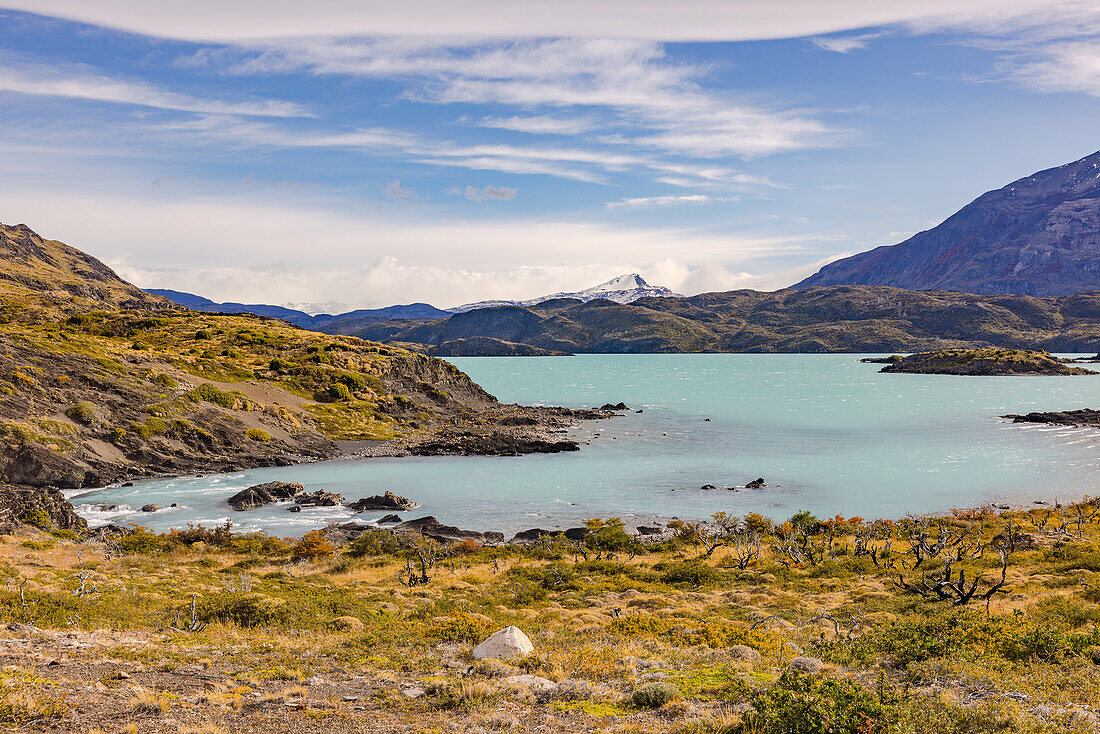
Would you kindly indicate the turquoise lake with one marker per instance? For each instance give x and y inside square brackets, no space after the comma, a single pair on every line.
[830,435]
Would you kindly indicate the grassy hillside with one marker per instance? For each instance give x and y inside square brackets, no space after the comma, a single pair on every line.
[832,319]
[975,622]
[99,381]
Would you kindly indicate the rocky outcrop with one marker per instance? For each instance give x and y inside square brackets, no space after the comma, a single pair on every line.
[429,527]
[387,501]
[320,498]
[265,494]
[984,362]
[1083,417]
[39,466]
[43,507]
[496,444]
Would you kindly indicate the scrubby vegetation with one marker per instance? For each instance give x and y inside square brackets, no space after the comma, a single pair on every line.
[973,622]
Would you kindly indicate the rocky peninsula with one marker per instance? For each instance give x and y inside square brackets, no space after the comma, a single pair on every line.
[983,362]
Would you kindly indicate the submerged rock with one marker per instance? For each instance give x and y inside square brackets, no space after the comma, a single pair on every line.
[265,494]
[509,642]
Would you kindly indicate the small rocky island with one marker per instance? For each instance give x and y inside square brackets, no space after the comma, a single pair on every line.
[990,361]
[1082,417]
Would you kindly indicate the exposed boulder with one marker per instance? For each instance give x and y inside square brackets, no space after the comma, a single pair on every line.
[265,494]
[387,501]
[389,520]
[509,642]
[150,508]
[757,483]
[320,498]
[620,406]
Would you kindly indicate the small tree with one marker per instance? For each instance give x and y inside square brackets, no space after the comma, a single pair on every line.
[312,546]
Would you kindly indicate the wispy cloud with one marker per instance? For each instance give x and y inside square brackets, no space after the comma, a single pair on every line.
[646,201]
[80,83]
[845,44]
[490,192]
[655,102]
[396,191]
[541,124]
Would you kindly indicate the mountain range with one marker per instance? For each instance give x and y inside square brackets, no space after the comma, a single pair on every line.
[1037,236]
[623,289]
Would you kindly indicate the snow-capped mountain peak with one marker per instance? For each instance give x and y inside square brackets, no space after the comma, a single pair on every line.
[622,283]
[623,289]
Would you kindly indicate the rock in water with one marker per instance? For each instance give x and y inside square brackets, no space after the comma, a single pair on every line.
[387,501]
[320,498]
[264,494]
[757,483]
[509,642]
[150,508]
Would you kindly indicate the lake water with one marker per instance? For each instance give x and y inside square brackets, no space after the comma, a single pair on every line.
[830,434]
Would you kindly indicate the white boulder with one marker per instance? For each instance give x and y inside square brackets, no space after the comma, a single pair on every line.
[509,642]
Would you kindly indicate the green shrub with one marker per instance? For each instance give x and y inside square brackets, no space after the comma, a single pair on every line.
[202,334]
[803,704]
[339,391]
[117,434]
[82,413]
[244,610]
[258,434]
[278,364]
[654,695]
[374,543]
[152,426]
[690,572]
[352,381]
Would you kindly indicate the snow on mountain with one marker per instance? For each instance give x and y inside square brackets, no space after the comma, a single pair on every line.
[623,289]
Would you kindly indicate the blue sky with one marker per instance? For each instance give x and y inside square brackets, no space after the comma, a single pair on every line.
[342,156]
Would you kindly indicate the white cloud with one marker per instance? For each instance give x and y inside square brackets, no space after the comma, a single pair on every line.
[1071,66]
[82,84]
[500,193]
[687,20]
[645,201]
[541,124]
[280,253]
[845,44]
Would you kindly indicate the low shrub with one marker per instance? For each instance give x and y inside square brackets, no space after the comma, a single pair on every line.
[654,695]
[258,434]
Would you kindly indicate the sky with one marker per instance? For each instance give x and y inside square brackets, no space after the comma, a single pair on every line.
[335,155]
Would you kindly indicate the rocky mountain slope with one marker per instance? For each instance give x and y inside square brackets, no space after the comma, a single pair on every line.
[100,381]
[834,319]
[1037,236]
